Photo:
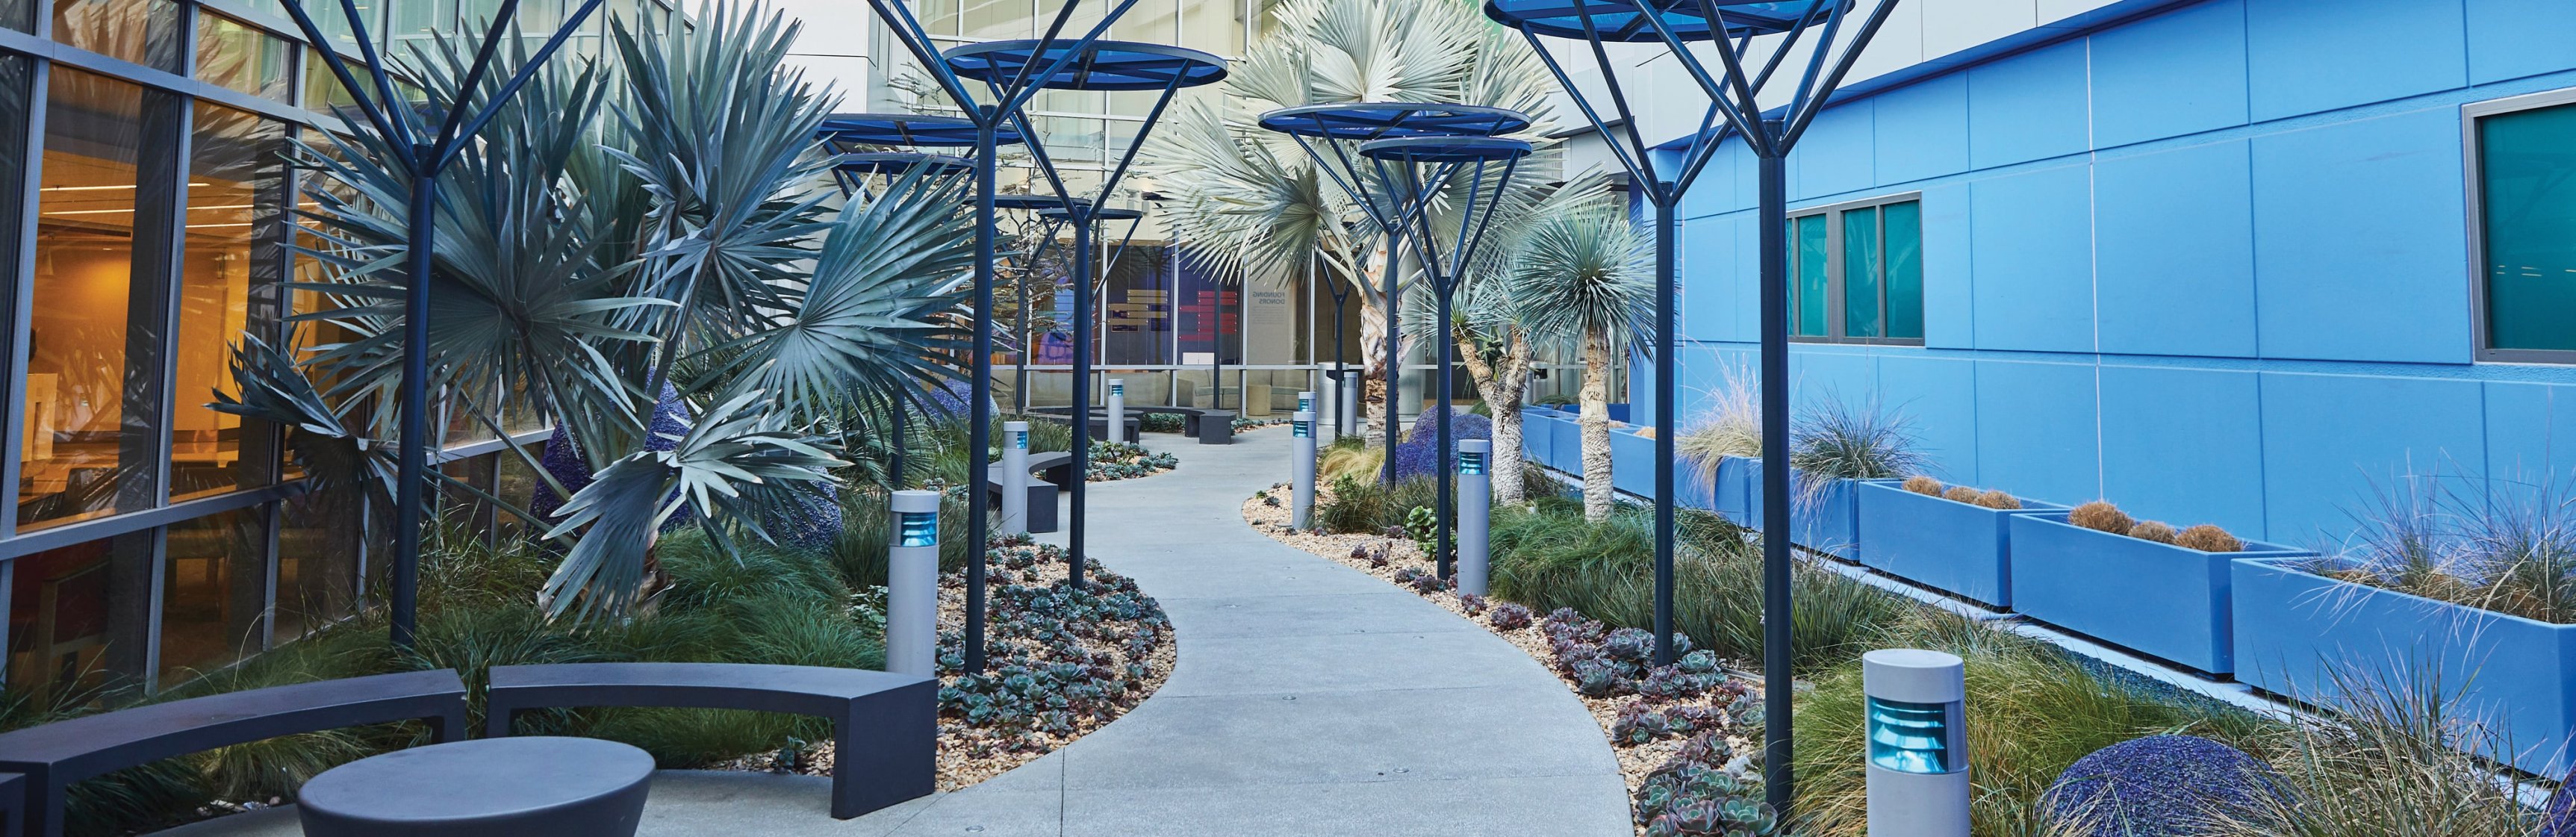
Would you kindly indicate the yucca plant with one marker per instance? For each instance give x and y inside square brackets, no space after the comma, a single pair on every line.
[1583,277]
[584,267]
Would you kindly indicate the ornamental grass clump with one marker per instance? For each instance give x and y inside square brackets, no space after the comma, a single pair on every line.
[2101,516]
[2154,530]
[1961,494]
[1997,499]
[1731,426]
[2208,538]
[2393,760]
[2505,546]
[1924,484]
[1838,439]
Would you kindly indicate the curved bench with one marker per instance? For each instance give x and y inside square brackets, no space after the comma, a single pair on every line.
[885,738]
[55,755]
[13,789]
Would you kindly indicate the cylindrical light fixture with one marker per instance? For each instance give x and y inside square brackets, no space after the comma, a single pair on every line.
[1918,743]
[1475,513]
[1303,464]
[1117,429]
[912,584]
[1015,477]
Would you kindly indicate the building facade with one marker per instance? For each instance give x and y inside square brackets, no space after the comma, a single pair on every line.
[2244,262]
[144,227]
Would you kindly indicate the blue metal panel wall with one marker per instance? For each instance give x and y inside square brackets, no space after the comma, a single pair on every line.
[2210,263]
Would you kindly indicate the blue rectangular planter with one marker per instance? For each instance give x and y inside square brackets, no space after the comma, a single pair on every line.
[1827,525]
[1738,496]
[1955,547]
[1537,441]
[1566,449]
[1632,462]
[2155,599]
[2515,675]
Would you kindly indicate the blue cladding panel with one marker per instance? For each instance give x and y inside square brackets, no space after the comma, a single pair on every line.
[2027,108]
[2036,430]
[2034,272]
[1949,316]
[2184,446]
[2177,252]
[2520,431]
[2516,38]
[2360,252]
[1709,274]
[2328,438]
[1834,156]
[1818,374]
[2170,75]
[1923,130]
[1939,397]
[2314,55]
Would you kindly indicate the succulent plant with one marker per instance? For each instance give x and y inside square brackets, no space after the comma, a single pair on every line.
[1629,644]
[1359,552]
[2101,516]
[1429,583]
[1702,661]
[2152,530]
[1508,616]
[1923,484]
[2208,538]
[1473,604]
[1377,557]
[1997,499]
[1598,678]
[1961,494]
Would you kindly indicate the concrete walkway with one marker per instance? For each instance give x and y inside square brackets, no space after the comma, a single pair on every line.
[1310,699]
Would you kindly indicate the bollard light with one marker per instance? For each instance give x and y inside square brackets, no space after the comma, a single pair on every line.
[1918,743]
[1308,403]
[1351,402]
[1117,429]
[1302,464]
[1015,477]
[912,584]
[1475,513]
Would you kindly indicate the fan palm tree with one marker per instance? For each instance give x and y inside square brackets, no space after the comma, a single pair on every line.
[1252,206]
[1584,277]
[584,268]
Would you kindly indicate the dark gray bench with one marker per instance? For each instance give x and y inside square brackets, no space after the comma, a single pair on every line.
[1041,499]
[13,793]
[1215,427]
[55,755]
[885,737]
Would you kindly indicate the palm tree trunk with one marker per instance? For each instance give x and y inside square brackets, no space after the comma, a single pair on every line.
[1596,425]
[1502,386]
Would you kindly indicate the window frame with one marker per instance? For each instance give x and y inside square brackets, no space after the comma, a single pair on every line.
[1835,308]
[2481,331]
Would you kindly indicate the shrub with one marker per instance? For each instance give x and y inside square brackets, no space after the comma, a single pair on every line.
[1416,455]
[1961,494]
[1924,484]
[1839,439]
[2101,516]
[2396,760]
[1997,499]
[1349,456]
[2208,538]
[2152,530]
[2157,786]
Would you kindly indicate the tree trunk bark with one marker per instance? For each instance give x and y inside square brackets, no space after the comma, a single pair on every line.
[1596,425]
[1502,385]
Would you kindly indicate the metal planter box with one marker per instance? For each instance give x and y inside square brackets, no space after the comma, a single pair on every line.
[1538,437]
[1959,548]
[1632,462]
[2155,599]
[1827,524]
[2515,675]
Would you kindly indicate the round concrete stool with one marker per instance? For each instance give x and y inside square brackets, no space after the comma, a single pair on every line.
[495,787]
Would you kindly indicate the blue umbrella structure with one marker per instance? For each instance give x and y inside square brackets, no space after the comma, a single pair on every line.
[1735,100]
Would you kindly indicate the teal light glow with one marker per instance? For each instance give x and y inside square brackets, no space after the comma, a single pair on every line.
[1118,389]
[1305,429]
[1909,737]
[1020,439]
[1470,463]
[917,528]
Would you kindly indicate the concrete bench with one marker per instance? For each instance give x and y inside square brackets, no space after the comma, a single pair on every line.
[1041,499]
[13,795]
[885,737]
[55,755]
[1215,427]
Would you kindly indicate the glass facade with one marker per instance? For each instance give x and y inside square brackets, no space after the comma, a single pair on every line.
[1856,273]
[2528,209]
[145,218]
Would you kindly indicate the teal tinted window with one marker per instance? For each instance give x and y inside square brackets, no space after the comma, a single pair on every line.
[1904,226]
[1862,264]
[2527,161]
[1807,309]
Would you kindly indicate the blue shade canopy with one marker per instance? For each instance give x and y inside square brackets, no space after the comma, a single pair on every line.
[1625,20]
[1104,65]
[1445,149]
[1041,202]
[898,162]
[1110,213]
[905,129]
[1364,121]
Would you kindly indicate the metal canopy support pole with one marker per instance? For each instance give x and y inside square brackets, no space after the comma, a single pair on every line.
[1082,349]
[979,427]
[414,465]
[1778,643]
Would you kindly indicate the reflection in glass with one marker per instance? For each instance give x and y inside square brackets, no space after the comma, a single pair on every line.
[992,19]
[85,261]
[18,14]
[1151,21]
[1861,267]
[241,57]
[236,196]
[317,561]
[76,618]
[145,32]
[213,590]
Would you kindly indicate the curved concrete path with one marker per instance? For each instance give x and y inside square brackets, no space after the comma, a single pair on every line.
[1309,699]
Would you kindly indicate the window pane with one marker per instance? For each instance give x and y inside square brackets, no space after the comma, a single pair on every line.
[236,204]
[317,561]
[16,74]
[1905,270]
[214,588]
[77,617]
[1153,21]
[1212,26]
[939,17]
[85,263]
[1137,319]
[2529,208]
[322,90]
[238,56]
[1000,18]
[18,14]
[145,32]
[1860,273]
[1807,273]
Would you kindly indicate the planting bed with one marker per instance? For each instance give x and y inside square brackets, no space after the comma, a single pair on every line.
[1684,735]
